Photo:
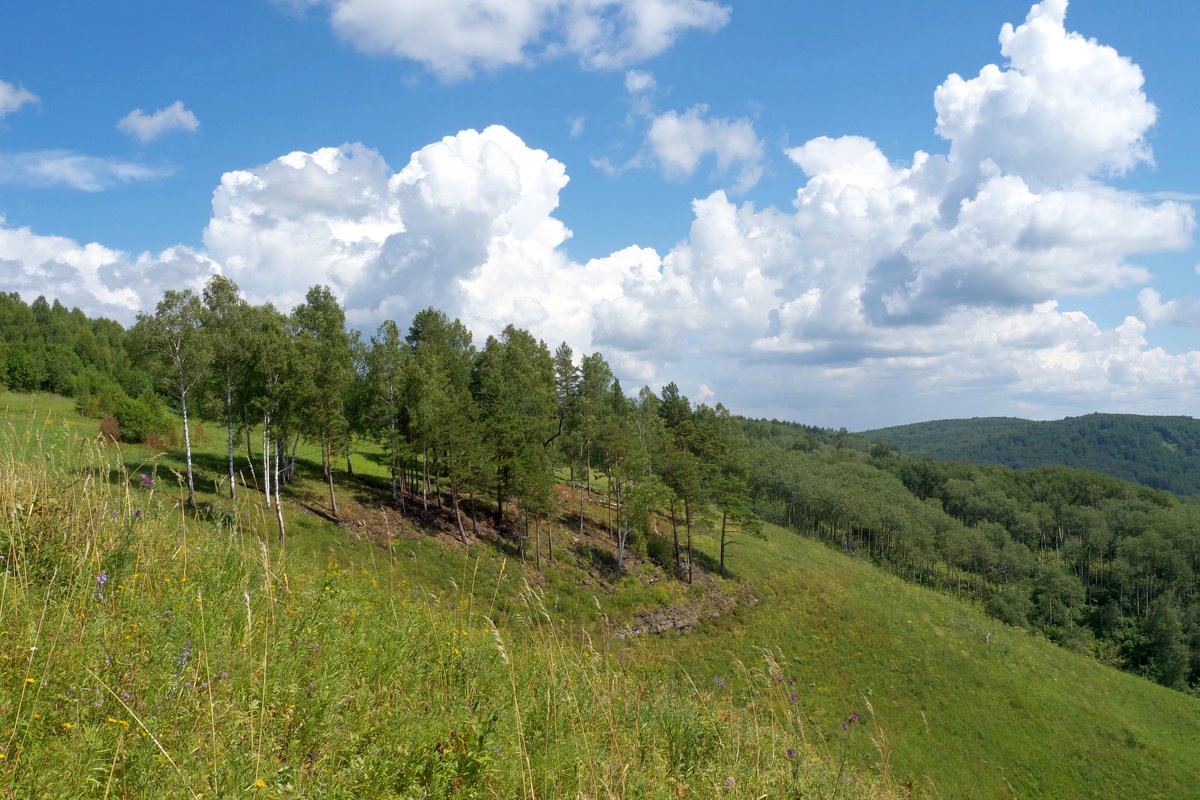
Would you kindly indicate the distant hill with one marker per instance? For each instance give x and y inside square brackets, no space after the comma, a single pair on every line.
[1160,452]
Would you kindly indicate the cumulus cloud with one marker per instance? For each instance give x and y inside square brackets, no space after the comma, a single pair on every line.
[77,171]
[680,141]
[455,38]
[98,279]
[1063,107]
[144,127]
[1182,311]
[947,281]
[12,98]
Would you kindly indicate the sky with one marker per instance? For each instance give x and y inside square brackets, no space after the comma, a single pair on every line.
[848,214]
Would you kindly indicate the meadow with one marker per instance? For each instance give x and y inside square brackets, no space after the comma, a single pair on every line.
[153,653]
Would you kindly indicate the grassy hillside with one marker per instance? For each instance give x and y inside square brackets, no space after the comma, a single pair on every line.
[146,653]
[361,662]
[1160,452]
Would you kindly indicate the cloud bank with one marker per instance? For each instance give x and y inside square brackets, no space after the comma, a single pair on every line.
[941,285]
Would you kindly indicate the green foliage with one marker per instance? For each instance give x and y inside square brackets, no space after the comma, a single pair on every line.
[1159,452]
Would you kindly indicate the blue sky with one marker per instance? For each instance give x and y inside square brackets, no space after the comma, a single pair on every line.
[723,194]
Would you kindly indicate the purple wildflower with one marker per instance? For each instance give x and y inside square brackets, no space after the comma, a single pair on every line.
[137,513]
[719,683]
[846,725]
[101,579]
[791,753]
[854,717]
[730,782]
[147,480]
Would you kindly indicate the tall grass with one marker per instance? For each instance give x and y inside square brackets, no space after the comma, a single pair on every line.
[148,653]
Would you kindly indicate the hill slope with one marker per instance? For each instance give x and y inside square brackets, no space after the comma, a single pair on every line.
[952,703]
[1159,452]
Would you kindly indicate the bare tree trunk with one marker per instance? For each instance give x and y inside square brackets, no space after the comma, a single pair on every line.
[537,543]
[425,479]
[724,516]
[687,515]
[327,449]
[457,512]
[395,461]
[550,539]
[229,427]
[187,447]
[267,457]
[249,454]
[278,499]
[675,533]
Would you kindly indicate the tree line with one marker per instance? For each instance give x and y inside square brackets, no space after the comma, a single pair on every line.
[454,421]
[1095,563]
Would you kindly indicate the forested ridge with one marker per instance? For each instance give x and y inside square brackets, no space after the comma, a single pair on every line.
[1097,564]
[1159,452]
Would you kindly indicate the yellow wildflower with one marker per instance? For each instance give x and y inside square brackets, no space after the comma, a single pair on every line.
[260,783]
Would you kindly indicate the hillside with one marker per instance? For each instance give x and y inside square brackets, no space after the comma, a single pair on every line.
[1159,452]
[352,623]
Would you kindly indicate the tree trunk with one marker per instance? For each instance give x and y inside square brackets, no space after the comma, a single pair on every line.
[687,517]
[724,516]
[675,533]
[278,499]
[187,448]
[425,479]
[550,539]
[267,457]
[457,512]
[537,542]
[249,454]
[327,447]
[229,426]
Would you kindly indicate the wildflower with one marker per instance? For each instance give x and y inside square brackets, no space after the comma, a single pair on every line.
[101,579]
[854,717]
[66,726]
[730,782]
[37,716]
[719,683]
[137,513]
[30,681]
[791,752]
[793,697]
[147,480]
[259,783]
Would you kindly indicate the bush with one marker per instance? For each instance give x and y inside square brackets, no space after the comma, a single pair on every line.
[140,418]
[109,428]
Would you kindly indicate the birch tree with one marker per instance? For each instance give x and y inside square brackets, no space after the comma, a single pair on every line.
[172,343]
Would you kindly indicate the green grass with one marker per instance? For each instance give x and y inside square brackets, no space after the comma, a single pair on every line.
[964,713]
[210,662]
[947,710]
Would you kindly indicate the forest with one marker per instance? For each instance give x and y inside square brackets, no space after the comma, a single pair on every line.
[1099,565]
[1159,452]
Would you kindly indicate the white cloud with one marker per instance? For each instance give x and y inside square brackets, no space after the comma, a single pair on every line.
[577,124]
[638,81]
[1065,106]
[680,141]
[100,280]
[148,127]
[74,170]
[13,98]
[455,38]
[1182,311]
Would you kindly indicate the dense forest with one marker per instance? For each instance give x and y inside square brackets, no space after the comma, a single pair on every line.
[1159,452]
[1100,565]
